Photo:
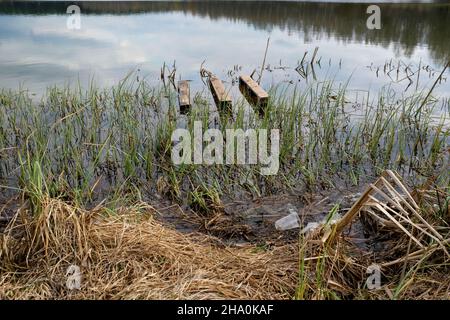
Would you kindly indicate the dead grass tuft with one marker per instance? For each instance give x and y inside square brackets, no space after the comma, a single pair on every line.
[127,254]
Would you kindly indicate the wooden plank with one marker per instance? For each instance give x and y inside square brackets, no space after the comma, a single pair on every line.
[252,91]
[221,97]
[184,96]
[354,210]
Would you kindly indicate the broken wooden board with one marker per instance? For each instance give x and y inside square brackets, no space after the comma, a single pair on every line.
[254,94]
[221,97]
[184,96]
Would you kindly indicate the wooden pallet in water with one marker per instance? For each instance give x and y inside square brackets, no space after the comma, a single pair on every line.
[251,90]
[221,97]
[184,96]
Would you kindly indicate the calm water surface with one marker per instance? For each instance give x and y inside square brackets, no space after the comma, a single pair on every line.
[37,50]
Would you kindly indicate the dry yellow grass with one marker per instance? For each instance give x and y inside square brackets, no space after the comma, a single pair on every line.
[127,254]
[130,255]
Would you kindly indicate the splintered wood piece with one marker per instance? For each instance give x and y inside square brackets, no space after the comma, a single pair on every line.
[184,96]
[252,91]
[221,97]
[354,210]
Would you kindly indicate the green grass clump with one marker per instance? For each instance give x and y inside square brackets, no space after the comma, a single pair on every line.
[87,145]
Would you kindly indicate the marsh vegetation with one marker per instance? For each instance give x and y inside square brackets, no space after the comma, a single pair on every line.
[87,178]
[92,155]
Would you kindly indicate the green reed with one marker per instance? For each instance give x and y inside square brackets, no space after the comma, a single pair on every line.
[88,144]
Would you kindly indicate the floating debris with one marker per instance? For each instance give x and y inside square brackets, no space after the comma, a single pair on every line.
[220,95]
[254,94]
[291,221]
[184,96]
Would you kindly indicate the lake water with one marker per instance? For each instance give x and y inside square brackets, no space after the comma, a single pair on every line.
[38,50]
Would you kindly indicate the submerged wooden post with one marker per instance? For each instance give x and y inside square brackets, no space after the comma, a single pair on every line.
[184,96]
[221,97]
[254,94]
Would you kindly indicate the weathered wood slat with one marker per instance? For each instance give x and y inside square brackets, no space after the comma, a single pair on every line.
[184,96]
[354,210]
[221,97]
[252,91]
